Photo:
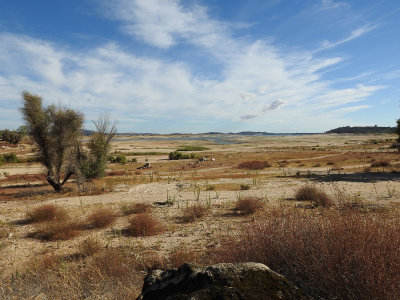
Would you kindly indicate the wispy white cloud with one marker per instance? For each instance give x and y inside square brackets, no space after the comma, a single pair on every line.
[331,4]
[351,109]
[354,34]
[253,73]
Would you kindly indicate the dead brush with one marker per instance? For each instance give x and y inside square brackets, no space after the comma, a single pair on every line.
[89,247]
[110,274]
[380,163]
[183,254]
[101,218]
[64,229]
[313,194]
[135,208]
[193,212]
[144,225]
[334,255]
[248,205]
[46,213]
[254,165]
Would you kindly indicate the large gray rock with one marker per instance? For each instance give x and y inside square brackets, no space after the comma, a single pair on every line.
[221,281]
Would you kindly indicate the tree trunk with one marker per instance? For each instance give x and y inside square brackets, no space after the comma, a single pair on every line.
[57,186]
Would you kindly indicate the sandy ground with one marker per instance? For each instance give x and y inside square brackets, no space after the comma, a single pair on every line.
[275,186]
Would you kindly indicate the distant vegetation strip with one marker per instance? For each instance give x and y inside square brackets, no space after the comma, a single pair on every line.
[192,148]
[362,129]
[141,153]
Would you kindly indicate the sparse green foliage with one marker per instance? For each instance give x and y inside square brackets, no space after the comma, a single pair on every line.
[93,164]
[56,132]
[9,158]
[176,155]
[192,148]
[120,159]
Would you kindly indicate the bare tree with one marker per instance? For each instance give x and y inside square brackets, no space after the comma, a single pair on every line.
[56,132]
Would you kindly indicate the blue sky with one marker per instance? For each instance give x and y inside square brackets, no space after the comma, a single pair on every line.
[195,66]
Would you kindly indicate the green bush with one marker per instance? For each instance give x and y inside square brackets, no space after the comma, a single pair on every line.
[176,155]
[121,159]
[192,148]
[10,158]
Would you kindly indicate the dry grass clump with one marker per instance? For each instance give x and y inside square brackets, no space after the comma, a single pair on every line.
[4,231]
[194,212]
[380,163]
[116,173]
[248,205]
[46,213]
[144,225]
[110,274]
[89,247]
[101,218]
[313,194]
[183,254]
[64,229]
[337,255]
[254,165]
[135,208]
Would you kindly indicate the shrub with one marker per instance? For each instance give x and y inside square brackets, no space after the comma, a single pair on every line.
[176,155]
[121,159]
[330,163]
[194,212]
[248,205]
[101,218]
[183,254]
[135,208]
[381,163]
[144,225]
[46,213]
[245,187]
[89,246]
[192,148]
[110,274]
[116,173]
[10,158]
[59,230]
[330,256]
[210,187]
[314,195]
[254,165]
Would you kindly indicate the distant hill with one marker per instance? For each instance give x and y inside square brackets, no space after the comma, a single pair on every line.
[86,132]
[363,129]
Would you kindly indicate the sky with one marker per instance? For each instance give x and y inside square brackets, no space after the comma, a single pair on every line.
[195,66]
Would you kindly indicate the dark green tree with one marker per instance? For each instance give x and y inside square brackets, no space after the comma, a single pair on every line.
[398,130]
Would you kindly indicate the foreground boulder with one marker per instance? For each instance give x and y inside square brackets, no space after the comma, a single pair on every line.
[221,281]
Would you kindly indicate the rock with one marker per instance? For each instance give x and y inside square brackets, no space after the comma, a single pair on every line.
[145,166]
[220,281]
